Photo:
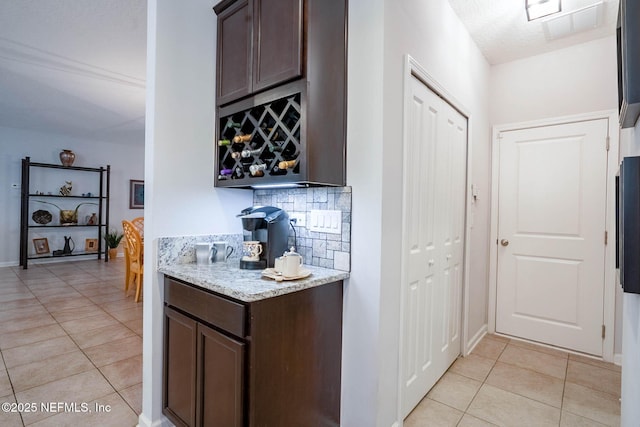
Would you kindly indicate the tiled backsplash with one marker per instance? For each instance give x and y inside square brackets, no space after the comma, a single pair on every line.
[319,249]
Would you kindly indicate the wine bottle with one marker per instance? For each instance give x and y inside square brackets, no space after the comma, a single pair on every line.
[223,142]
[273,147]
[236,154]
[231,123]
[225,172]
[287,164]
[248,153]
[257,169]
[241,138]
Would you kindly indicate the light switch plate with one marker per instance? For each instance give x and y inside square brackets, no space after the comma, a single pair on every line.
[322,221]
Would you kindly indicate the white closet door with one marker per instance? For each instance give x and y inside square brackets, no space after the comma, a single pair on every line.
[433,235]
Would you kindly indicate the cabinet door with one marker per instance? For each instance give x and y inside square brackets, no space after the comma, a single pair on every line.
[179,382]
[235,31]
[220,379]
[277,42]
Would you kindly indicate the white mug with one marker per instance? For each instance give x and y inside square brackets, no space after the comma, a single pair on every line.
[251,250]
[203,253]
[220,251]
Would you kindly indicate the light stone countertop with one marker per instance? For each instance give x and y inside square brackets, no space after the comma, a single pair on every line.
[247,285]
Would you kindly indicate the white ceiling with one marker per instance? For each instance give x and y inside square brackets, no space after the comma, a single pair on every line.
[77,67]
[73,67]
[502,32]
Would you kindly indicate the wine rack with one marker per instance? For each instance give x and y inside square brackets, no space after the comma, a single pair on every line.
[261,144]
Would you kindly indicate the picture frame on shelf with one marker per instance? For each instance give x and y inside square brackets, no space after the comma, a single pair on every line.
[41,245]
[136,194]
[91,245]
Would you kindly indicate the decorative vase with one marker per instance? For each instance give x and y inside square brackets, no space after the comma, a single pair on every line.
[67,157]
[113,253]
[68,216]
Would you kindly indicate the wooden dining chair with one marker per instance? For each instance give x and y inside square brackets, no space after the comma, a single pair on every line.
[139,224]
[134,257]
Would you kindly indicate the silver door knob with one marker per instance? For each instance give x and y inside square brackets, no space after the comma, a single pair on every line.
[504,242]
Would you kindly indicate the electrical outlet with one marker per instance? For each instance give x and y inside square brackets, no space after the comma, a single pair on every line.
[300,217]
[325,221]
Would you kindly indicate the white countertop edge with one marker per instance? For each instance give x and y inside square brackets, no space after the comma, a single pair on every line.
[247,285]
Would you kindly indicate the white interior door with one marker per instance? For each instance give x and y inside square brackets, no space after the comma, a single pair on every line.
[433,236]
[551,232]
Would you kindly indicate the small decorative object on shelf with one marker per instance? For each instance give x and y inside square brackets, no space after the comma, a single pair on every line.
[41,246]
[67,157]
[65,190]
[91,245]
[42,217]
[69,245]
[67,216]
[92,220]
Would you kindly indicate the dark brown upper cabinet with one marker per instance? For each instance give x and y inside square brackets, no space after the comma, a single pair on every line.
[259,46]
[282,93]
[628,62]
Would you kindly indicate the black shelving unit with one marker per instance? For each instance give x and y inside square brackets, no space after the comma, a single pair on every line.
[94,230]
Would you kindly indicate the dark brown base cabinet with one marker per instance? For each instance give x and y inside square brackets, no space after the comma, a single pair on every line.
[273,362]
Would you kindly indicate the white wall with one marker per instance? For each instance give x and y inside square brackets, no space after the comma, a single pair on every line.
[180,198]
[126,160]
[433,35]
[574,80]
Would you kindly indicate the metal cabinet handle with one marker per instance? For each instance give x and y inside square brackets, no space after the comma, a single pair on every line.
[504,242]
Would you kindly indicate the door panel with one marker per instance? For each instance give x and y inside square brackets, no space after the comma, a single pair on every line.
[221,365]
[551,209]
[433,235]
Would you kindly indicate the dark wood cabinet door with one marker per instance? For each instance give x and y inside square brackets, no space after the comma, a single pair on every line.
[235,36]
[220,379]
[179,381]
[277,53]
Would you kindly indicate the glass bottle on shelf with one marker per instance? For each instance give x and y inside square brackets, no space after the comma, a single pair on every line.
[241,138]
[258,169]
[224,142]
[286,164]
[248,153]
[274,147]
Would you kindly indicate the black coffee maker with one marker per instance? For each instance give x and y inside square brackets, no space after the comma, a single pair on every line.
[269,226]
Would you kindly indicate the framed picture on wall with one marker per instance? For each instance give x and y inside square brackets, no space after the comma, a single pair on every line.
[41,246]
[136,194]
[91,245]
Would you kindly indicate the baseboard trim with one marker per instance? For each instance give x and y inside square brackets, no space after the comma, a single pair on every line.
[617,359]
[144,421]
[473,342]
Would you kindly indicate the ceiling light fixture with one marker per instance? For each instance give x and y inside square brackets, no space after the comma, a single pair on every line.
[540,8]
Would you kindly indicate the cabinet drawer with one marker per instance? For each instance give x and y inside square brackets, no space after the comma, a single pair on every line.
[217,311]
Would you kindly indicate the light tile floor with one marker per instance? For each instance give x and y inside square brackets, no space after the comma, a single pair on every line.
[511,383]
[69,335]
